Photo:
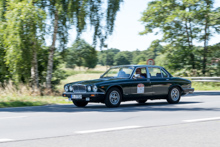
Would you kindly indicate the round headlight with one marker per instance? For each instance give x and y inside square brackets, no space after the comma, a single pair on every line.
[95,89]
[89,88]
[71,88]
[66,88]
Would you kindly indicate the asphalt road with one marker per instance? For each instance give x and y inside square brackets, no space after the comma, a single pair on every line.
[195,121]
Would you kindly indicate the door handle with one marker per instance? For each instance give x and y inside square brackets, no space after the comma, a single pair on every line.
[167,79]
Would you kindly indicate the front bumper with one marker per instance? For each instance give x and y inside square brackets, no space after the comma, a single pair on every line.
[93,96]
[188,90]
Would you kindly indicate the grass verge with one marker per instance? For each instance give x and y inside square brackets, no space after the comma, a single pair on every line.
[206,86]
[10,101]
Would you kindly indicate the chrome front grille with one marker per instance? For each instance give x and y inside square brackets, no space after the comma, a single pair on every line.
[79,88]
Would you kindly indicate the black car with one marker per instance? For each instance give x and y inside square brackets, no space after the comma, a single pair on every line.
[126,83]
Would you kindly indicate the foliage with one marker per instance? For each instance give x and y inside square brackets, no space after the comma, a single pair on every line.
[81,54]
[91,60]
[140,58]
[120,59]
[58,74]
[23,28]
[109,57]
[4,74]
[106,57]
[23,32]
[183,23]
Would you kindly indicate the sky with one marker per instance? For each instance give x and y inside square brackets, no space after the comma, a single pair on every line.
[127,27]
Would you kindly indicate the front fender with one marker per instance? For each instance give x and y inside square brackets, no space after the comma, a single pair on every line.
[115,85]
[175,85]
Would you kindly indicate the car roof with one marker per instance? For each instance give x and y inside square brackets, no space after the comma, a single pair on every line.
[136,66]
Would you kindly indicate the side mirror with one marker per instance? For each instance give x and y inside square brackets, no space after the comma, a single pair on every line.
[101,76]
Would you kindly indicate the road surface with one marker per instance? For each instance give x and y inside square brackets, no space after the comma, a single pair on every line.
[195,121]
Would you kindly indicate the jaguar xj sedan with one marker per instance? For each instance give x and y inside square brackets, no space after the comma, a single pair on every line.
[127,83]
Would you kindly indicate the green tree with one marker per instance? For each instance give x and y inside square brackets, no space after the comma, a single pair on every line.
[102,58]
[82,54]
[128,56]
[134,55]
[154,50]
[106,57]
[24,25]
[140,58]
[78,13]
[120,59]
[182,23]
[91,59]
[4,74]
[208,19]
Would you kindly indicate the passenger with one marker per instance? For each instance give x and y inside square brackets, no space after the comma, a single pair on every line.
[138,71]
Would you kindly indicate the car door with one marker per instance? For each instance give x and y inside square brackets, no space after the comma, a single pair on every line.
[140,86]
[159,81]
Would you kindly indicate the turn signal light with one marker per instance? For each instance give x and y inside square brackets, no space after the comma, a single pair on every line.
[92,95]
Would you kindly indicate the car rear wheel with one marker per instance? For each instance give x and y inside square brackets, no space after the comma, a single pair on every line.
[141,101]
[113,98]
[174,95]
[80,103]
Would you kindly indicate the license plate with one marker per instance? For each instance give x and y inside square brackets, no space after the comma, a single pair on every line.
[76,96]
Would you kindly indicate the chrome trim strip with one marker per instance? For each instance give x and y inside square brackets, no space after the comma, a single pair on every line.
[84,93]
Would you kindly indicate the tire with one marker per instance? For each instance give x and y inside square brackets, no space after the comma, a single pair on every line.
[141,101]
[113,97]
[80,103]
[174,95]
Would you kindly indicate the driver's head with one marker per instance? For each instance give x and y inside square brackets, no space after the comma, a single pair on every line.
[138,71]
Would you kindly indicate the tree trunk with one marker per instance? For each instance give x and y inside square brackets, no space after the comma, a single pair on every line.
[189,40]
[51,54]
[205,47]
[34,70]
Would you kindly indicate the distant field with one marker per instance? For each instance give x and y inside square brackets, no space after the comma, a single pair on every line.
[80,74]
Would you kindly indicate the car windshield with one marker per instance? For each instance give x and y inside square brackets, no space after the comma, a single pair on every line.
[119,72]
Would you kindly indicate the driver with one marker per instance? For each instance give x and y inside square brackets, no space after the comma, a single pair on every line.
[138,71]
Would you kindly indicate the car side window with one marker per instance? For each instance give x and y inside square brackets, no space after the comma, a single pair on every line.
[140,73]
[165,75]
[155,72]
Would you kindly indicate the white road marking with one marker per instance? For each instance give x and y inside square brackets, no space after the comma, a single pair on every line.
[180,105]
[114,110]
[107,129]
[12,117]
[5,139]
[202,119]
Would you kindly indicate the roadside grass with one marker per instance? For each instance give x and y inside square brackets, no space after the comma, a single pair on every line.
[22,95]
[21,101]
[206,86]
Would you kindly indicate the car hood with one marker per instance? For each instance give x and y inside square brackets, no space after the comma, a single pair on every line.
[98,81]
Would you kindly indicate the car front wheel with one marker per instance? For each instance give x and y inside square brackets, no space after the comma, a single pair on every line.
[113,98]
[80,103]
[174,95]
